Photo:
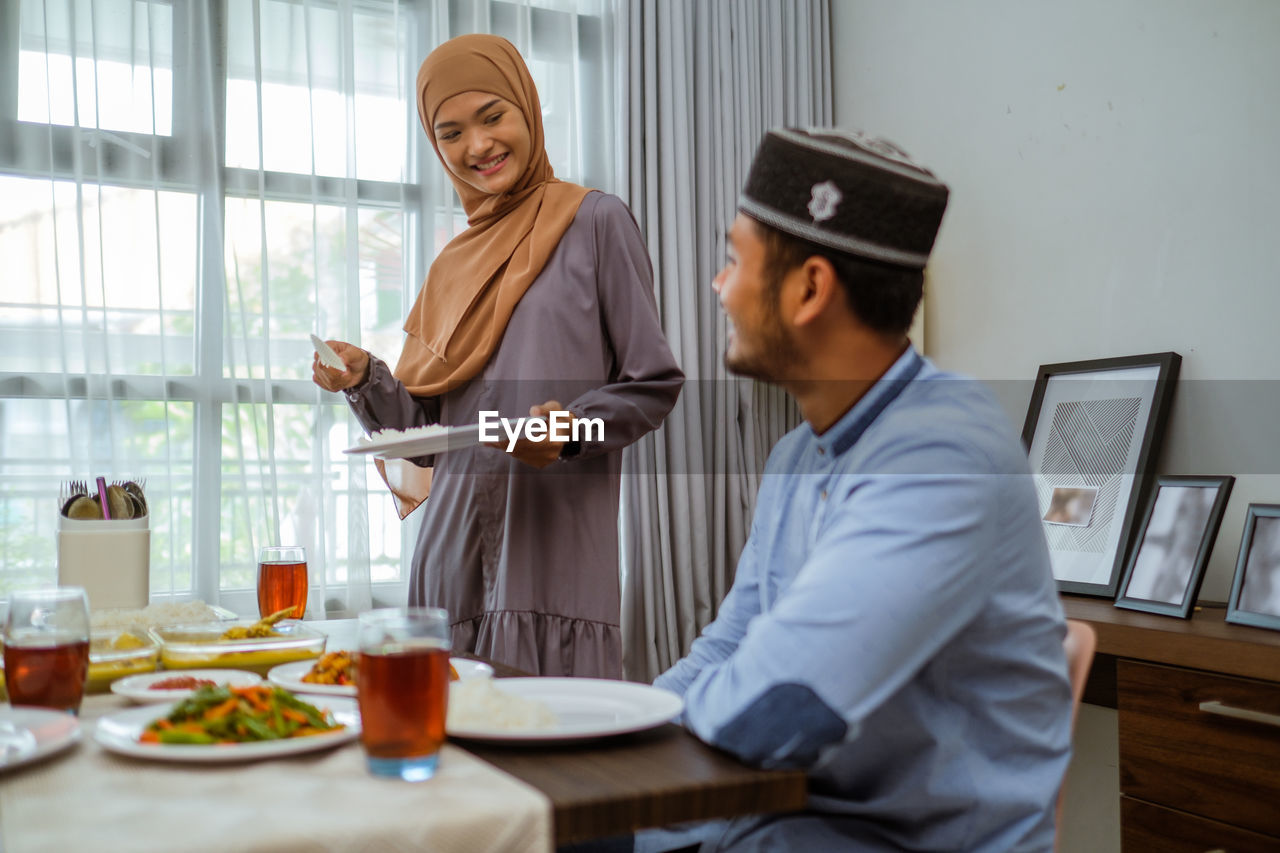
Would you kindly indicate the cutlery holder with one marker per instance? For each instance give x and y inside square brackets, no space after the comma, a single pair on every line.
[110,559]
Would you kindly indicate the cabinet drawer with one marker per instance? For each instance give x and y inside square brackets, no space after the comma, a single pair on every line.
[1146,827]
[1172,753]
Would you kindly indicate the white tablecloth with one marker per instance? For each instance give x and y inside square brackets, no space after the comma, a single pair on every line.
[90,799]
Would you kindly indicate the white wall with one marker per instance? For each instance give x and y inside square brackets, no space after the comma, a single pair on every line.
[1115,177]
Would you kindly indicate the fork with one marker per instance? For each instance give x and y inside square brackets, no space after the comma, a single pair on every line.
[141,481]
[71,488]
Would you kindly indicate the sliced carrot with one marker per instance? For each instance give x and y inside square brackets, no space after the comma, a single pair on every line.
[222,709]
[257,699]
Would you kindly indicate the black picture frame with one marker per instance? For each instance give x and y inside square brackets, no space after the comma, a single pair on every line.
[1249,605]
[1166,565]
[1125,402]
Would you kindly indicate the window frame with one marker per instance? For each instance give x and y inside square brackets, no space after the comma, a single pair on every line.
[207,389]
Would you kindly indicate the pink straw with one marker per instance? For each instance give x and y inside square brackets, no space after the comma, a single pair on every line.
[102,498]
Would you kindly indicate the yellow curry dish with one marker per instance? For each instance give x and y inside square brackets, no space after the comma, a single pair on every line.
[117,653]
[113,654]
[226,645]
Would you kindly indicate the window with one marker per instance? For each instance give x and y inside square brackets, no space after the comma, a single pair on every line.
[187,190]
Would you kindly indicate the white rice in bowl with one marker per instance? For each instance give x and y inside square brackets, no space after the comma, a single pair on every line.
[475,703]
[160,615]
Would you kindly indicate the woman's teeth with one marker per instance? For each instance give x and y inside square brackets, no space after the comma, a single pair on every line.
[489,164]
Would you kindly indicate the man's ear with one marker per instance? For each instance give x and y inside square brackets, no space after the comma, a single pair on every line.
[818,290]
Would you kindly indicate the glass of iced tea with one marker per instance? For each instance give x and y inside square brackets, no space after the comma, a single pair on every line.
[46,647]
[402,685]
[282,580]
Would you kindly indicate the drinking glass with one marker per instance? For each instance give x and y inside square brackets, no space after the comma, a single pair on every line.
[402,686]
[46,647]
[282,580]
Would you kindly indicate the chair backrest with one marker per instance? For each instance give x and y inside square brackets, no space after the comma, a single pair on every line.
[1080,644]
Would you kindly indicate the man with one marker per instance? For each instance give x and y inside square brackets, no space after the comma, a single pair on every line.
[893,626]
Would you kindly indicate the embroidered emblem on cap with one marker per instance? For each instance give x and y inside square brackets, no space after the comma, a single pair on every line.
[823,203]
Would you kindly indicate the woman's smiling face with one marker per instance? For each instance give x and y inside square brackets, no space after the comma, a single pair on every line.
[484,140]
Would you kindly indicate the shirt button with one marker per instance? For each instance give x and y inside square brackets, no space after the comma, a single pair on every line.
[824,494]
[822,451]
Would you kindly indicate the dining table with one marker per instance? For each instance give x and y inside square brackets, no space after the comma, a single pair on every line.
[522,796]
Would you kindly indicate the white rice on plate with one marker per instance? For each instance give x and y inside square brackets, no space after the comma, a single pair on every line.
[388,436]
[475,703]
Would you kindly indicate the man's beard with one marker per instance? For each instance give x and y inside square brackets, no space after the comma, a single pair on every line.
[775,354]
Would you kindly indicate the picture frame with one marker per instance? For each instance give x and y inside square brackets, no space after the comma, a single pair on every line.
[1255,587]
[1096,425]
[1171,550]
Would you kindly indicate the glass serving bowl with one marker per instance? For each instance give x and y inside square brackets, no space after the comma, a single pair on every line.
[116,653]
[199,646]
[112,654]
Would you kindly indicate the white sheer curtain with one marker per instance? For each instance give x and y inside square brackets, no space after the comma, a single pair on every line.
[187,190]
[700,84]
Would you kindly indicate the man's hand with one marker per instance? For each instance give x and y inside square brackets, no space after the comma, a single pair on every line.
[538,454]
[332,379]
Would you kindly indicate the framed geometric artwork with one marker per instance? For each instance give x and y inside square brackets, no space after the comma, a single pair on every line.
[1093,432]
[1255,589]
[1169,555]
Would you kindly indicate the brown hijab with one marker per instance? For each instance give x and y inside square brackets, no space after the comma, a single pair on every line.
[474,285]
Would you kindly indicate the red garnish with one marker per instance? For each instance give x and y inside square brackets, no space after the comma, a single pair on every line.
[182,682]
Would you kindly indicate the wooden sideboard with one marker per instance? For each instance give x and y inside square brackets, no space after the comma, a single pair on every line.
[1199,719]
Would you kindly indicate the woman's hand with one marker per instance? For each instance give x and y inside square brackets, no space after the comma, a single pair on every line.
[538,454]
[332,379]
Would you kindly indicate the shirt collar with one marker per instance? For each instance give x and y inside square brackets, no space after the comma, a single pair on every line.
[846,431]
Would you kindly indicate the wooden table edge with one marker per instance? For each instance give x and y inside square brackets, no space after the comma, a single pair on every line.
[584,807]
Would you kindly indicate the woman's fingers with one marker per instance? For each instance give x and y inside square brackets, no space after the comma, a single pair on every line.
[355,358]
[318,373]
[329,378]
[545,409]
[332,379]
[536,454]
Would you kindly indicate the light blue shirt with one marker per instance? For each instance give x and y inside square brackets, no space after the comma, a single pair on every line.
[894,628]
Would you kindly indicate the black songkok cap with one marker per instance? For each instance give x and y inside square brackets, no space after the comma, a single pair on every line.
[848,191]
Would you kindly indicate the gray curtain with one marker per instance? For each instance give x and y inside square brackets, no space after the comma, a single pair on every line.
[700,82]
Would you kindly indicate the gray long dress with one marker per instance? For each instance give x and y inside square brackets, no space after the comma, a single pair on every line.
[526,560]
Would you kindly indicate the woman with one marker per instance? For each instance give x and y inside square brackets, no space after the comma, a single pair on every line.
[546,296]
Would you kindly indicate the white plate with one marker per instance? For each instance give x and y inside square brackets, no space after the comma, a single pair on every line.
[289,676]
[396,446]
[119,733]
[30,734]
[138,687]
[584,708]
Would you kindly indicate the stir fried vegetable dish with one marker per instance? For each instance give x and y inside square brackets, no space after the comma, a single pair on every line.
[239,715]
[333,668]
[340,668]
